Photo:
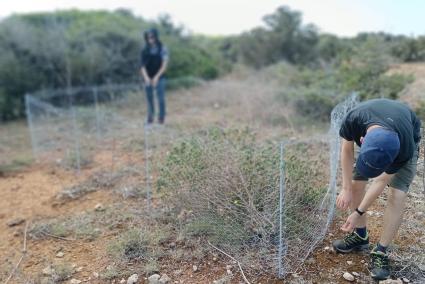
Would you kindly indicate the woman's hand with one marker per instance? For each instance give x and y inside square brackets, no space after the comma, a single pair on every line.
[343,200]
[148,82]
[155,81]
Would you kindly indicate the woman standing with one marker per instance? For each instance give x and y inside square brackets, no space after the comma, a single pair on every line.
[154,60]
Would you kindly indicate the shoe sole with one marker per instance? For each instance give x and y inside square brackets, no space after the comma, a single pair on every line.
[379,278]
[359,248]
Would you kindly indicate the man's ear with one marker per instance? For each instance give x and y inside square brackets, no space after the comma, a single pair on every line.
[361,140]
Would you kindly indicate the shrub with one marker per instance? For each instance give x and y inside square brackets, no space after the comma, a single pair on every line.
[131,245]
[314,105]
[136,244]
[230,184]
[183,83]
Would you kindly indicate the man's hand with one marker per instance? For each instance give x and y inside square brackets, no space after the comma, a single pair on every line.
[344,199]
[351,222]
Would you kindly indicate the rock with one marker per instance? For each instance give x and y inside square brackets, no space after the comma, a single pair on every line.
[60,254]
[229,267]
[355,274]
[48,271]
[15,222]
[79,269]
[405,280]
[195,268]
[224,280]
[327,248]
[164,279]
[122,281]
[215,259]
[178,272]
[133,279]
[95,275]
[362,261]
[172,245]
[349,262]
[347,276]
[99,207]
[153,279]
[391,281]
[229,272]
[75,281]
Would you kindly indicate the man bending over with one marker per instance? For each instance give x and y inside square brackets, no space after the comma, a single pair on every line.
[388,134]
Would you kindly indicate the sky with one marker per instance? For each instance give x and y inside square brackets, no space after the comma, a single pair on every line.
[225,17]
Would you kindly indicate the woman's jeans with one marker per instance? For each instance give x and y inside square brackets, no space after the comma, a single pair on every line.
[160,94]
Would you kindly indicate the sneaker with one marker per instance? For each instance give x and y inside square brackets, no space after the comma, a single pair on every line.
[379,265]
[149,120]
[161,120]
[351,242]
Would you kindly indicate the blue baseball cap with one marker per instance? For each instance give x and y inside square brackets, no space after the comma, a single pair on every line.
[378,151]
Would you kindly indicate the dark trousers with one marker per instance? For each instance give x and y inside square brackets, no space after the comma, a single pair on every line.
[160,94]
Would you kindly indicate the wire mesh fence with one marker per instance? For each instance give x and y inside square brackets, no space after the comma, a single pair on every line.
[15,147]
[72,126]
[265,203]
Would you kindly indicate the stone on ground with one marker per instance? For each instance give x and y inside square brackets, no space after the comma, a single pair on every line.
[154,279]
[133,279]
[348,276]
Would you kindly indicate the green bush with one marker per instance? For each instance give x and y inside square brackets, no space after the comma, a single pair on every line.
[131,245]
[229,182]
[183,83]
[75,48]
[315,105]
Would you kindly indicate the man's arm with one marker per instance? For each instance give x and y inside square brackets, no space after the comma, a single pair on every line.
[375,189]
[347,161]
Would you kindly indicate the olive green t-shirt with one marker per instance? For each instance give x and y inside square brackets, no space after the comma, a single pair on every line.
[390,114]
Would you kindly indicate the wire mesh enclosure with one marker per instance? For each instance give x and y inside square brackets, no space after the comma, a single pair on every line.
[71,127]
[265,203]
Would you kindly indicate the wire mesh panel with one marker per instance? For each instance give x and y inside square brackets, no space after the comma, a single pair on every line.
[80,126]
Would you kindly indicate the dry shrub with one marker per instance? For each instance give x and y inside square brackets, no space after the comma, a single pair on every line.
[230,185]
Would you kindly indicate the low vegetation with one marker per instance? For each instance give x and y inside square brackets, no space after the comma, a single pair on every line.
[225,186]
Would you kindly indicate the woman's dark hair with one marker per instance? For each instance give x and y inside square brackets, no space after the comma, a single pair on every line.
[154,32]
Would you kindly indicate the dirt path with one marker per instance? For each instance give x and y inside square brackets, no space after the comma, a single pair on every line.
[30,195]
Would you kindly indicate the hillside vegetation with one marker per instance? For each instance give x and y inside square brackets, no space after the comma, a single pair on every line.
[73,48]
